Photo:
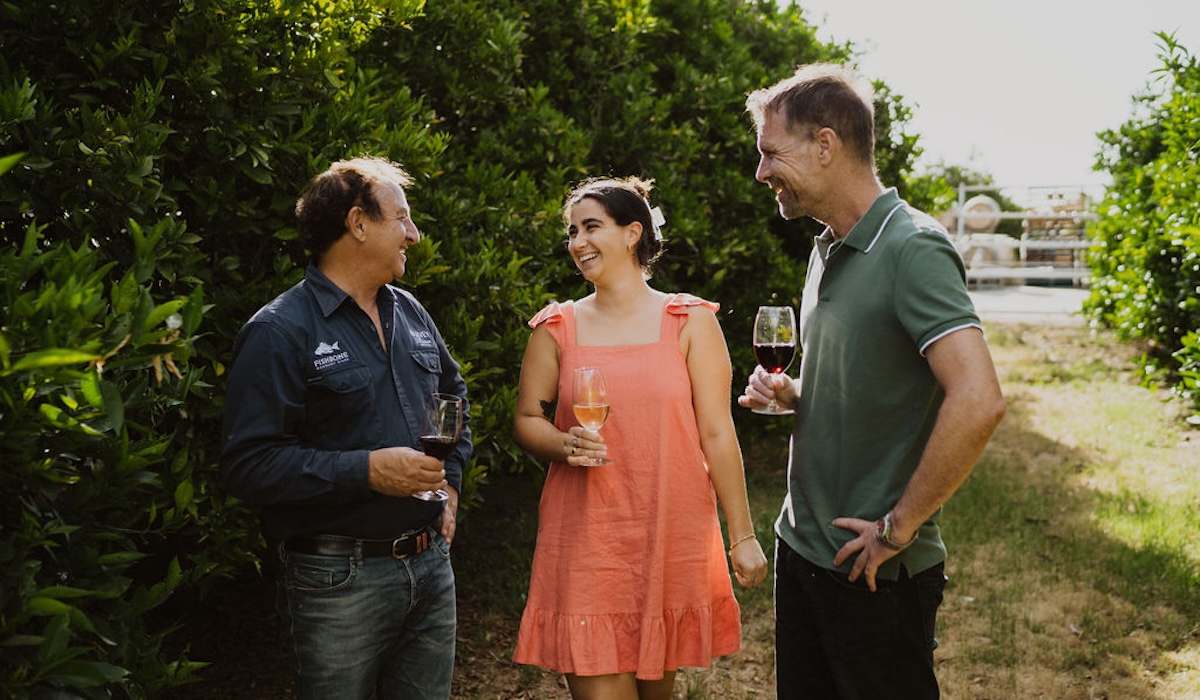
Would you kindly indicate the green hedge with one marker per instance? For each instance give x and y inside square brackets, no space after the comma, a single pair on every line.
[1147,272]
[164,146]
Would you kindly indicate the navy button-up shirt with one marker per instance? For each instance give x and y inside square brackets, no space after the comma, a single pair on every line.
[312,392]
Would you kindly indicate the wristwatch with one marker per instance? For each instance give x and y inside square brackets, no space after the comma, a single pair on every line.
[885,533]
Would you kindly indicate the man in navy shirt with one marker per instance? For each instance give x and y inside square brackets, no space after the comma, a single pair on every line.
[327,399]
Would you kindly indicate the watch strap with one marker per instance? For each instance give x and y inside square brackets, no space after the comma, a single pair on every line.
[885,533]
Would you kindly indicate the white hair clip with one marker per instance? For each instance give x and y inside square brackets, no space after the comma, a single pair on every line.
[657,220]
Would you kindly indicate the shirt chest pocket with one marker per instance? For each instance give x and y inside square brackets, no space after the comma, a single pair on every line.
[339,400]
[428,369]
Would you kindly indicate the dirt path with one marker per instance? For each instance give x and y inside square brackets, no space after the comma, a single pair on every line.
[1042,306]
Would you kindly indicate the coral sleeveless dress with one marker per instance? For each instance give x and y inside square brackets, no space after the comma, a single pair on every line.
[629,572]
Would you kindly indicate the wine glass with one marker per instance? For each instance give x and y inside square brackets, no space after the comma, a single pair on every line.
[774,346]
[590,402]
[443,425]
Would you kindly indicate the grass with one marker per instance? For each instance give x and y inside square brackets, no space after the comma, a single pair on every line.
[1074,548]
[1075,561]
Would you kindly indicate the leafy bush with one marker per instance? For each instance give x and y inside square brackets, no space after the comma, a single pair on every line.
[149,216]
[1147,272]
[97,468]
[537,94]
[152,215]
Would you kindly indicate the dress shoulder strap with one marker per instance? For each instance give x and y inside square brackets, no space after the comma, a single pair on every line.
[679,303]
[676,312]
[559,320]
[550,313]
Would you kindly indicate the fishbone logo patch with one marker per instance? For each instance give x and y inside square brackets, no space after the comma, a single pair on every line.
[329,355]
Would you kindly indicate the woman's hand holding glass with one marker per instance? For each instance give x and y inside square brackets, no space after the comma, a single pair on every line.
[584,448]
[591,408]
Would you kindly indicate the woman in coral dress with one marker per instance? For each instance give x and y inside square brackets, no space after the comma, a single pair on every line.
[630,580]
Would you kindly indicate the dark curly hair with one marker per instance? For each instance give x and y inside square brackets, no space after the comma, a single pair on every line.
[322,208]
[626,200]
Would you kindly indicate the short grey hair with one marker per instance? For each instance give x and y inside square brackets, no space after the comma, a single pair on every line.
[822,95]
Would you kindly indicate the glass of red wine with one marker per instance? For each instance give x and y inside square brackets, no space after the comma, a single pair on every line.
[443,425]
[774,346]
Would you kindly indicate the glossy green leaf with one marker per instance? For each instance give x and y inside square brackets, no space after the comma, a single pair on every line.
[162,311]
[55,636]
[193,311]
[7,162]
[63,592]
[53,357]
[114,404]
[120,558]
[89,386]
[88,674]
[183,495]
[22,640]
[39,605]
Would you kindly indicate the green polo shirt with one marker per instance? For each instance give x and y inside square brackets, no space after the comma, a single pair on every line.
[873,303]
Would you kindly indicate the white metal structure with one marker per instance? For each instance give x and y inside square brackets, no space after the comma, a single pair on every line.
[1052,242]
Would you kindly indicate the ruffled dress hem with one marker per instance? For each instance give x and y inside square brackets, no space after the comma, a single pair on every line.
[601,644]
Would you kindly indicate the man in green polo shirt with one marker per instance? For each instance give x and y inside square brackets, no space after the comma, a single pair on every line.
[896,398]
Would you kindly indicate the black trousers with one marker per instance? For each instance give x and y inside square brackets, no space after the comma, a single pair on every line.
[837,640]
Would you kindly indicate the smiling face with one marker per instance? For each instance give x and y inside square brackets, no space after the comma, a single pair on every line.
[599,245]
[790,163]
[386,239]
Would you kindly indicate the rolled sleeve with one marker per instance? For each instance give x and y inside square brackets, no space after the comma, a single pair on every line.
[930,295]
[263,459]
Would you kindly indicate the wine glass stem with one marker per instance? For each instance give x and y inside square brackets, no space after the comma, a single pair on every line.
[773,405]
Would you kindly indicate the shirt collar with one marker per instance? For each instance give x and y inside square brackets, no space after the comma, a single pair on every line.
[329,296]
[827,244]
[863,235]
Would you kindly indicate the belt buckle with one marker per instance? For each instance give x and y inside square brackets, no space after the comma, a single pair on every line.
[396,554]
[420,545]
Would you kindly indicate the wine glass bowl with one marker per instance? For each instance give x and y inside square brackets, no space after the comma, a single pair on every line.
[443,426]
[590,400]
[774,346]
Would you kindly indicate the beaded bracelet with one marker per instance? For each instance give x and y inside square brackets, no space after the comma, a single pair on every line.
[740,540]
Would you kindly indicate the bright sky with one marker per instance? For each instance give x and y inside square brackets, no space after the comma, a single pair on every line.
[1016,88]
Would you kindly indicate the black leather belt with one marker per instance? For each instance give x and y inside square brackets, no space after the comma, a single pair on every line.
[337,545]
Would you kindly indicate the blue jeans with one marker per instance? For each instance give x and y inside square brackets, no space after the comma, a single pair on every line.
[373,627]
[839,641]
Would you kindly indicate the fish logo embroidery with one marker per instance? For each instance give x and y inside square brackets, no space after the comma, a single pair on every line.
[329,355]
